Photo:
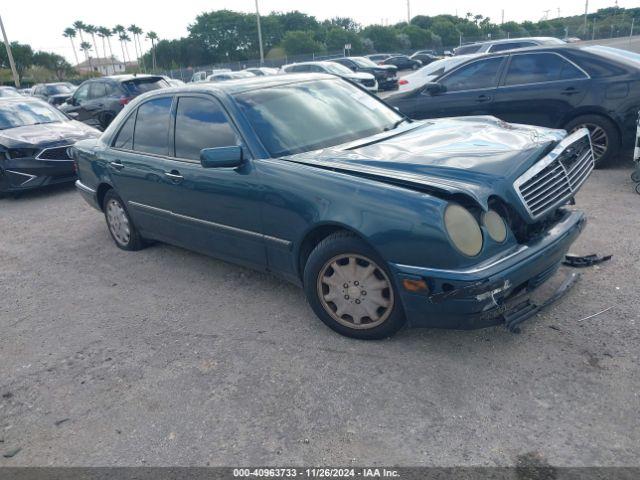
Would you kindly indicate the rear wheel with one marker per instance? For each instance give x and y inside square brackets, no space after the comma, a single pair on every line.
[605,138]
[121,228]
[350,290]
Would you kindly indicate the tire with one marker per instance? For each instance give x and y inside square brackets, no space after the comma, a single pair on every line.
[414,66]
[604,136]
[121,228]
[369,292]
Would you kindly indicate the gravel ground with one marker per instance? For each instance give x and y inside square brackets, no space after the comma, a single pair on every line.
[166,357]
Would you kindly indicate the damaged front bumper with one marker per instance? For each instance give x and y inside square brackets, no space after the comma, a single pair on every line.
[498,291]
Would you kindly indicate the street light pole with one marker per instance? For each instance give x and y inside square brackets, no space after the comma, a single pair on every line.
[12,64]
[586,10]
[259,34]
[408,11]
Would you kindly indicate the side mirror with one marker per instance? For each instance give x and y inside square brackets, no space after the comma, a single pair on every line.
[433,88]
[69,101]
[221,157]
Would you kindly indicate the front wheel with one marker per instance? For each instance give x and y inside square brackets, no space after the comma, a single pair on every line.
[350,289]
[121,228]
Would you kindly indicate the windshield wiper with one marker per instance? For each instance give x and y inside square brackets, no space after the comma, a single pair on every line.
[397,124]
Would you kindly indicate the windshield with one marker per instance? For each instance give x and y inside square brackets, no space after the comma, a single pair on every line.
[307,116]
[336,68]
[18,114]
[58,89]
[363,62]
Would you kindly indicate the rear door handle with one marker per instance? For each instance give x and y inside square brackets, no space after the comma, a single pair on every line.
[570,91]
[483,98]
[174,176]
[117,164]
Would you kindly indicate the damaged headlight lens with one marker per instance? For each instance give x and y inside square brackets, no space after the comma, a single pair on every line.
[463,229]
[495,225]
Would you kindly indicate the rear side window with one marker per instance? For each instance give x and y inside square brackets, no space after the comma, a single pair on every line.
[97,90]
[540,67]
[139,86]
[124,139]
[201,124]
[474,76]
[467,49]
[152,127]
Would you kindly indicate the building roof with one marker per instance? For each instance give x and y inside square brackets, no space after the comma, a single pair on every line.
[99,62]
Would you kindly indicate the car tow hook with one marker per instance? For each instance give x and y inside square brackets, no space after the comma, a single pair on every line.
[577,261]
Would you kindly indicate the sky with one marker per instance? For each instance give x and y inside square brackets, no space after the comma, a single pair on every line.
[40,23]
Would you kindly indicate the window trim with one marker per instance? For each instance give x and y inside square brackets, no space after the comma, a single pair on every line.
[506,71]
[459,67]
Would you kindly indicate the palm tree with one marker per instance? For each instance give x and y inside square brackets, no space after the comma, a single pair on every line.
[70,33]
[119,30]
[153,36]
[86,47]
[91,30]
[136,32]
[79,26]
[105,32]
[124,38]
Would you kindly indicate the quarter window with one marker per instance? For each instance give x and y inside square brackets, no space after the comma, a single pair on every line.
[124,139]
[540,67]
[152,127]
[201,124]
[474,76]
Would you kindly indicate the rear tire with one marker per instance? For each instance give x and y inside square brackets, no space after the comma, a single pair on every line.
[604,136]
[121,227]
[351,290]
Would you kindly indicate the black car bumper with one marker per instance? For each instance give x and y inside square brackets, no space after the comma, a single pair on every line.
[21,174]
[388,83]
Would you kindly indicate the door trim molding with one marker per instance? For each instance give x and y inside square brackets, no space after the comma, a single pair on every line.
[217,226]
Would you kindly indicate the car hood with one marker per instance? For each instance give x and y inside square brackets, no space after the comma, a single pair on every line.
[473,156]
[48,134]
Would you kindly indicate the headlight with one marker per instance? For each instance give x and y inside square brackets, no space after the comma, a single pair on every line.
[494,223]
[463,230]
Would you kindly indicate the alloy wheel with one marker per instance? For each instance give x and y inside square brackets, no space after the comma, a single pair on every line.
[355,291]
[599,139]
[118,222]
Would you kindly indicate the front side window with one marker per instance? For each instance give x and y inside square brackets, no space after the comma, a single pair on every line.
[307,116]
[97,90]
[540,67]
[475,76]
[201,124]
[151,133]
[82,93]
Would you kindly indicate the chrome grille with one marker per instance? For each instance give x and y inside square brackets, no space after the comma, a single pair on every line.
[54,153]
[558,176]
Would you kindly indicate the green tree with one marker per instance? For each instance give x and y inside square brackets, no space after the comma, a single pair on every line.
[22,56]
[70,33]
[337,38]
[418,37]
[383,38]
[447,31]
[298,42]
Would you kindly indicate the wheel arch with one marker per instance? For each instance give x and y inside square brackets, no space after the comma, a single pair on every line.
[600,112]
[101,191]
[315,235]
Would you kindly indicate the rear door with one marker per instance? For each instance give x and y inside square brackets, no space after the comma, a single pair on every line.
[140,168]
[470,90]
[540,88]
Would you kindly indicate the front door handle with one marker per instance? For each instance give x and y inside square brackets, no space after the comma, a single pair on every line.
[483,98]
[174,176]
[117,164]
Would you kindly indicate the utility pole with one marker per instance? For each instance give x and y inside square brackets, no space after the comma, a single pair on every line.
[502,20]
[408,11]
[12,64]
[259,34]
[633,20]
[586,10]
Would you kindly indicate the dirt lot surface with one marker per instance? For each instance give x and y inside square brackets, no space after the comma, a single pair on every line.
[166,357]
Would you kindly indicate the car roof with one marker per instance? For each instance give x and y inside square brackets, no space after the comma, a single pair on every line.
[511,40]
[127,77]
[318,62]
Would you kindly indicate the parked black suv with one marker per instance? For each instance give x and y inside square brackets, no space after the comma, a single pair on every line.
[96,102]
[386,75]
[53,93]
